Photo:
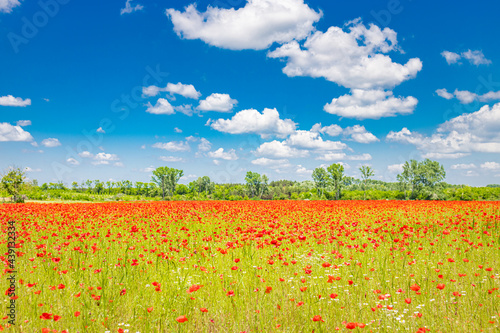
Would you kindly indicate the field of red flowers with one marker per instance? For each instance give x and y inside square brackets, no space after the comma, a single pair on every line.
[290,266]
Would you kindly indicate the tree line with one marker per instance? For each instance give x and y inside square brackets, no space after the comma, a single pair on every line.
[418,180]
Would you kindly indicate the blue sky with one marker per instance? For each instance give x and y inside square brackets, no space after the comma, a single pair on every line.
[114,89]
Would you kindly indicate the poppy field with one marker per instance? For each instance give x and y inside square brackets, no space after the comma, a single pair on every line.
[254,266]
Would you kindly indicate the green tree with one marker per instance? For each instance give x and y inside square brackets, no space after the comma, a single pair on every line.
[256,184]
[13,182]
[420,175]
[320,177]
[166,178]
[204,184]
[366,173]
[336,176]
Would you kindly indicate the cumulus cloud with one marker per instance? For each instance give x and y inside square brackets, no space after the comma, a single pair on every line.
[463,166]
[204,145]
[354,58]
[51,142]
[490,166]
[100,130]
[451,57]
[6,6]
[217,102]
[23,123]
[72,161]
[162,106]
[148,169]
[257,25]
[343,156]
[467,97]
[10,100]
[271,163]
[173,146]
[103,158]
[332,130]
[444,93]
[360,134]
[312,140]
[395,168]
[279,149]
[177,130]
[171,159]
[371,104]
[185,90]
[265,124]
[130,9]
[459,136]
[224,155]
[474,57]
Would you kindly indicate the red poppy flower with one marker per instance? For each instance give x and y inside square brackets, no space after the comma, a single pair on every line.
[181,319]
[46,316]
[230,293]
[415,287]
[440,286]
[351,326]
[77,313]
[203,310]
[317,318]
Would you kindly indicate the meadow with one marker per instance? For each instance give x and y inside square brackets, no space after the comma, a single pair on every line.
[254,266]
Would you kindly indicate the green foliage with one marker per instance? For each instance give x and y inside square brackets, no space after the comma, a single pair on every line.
[13,183]
[321,179]
[256,184]
[336,176]
[422,178]
[166,178]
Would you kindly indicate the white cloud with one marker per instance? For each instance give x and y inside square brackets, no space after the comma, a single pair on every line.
[466,97]
[474,57]
[100,130]
[444,93]
[23,123]
[451,57]
[191,138]
[279,149]
[354,58]
[129,9]
[265,124]
[490,166]
[103,158]
[360,134]
[162,107]
[173,146]
[28,169]
[72,161]
[185,90]
[217,102]
[270,163]
[463,166]
[51,142]
[395,168]
[187,109]
[86,154]
[188,177]
[303,171]
[439,156]
[256,26]
[343,156]
[119,164]
[171,159]
[225,155]
[177,130]
[148,169]
[471,173]
[332,130]
[312,140]
[10,100]
[204,145]
[371,104]
[6,6]
[462,135]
